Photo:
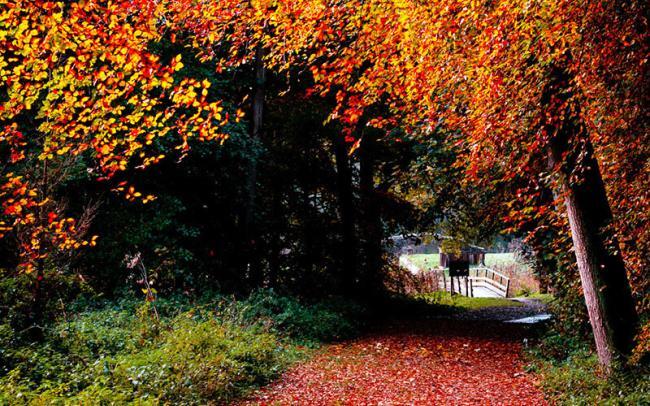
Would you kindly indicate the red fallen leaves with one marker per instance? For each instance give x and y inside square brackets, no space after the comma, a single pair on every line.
[450,363]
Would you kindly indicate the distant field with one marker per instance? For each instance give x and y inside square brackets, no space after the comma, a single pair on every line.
[467,303]
[425,261]
[503,259]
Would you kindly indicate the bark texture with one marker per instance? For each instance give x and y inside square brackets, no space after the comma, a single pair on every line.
[346,213]
[605,285]
[250,258]
[371,226]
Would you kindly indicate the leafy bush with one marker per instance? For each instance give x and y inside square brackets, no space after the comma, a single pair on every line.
[194,361]
[213,350]
[314,323]
[577,382]
[199,361]
[17,296]
[571,375]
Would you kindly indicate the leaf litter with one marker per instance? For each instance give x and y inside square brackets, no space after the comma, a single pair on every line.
[428,362]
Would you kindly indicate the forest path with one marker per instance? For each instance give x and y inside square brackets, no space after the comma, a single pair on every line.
[421,362]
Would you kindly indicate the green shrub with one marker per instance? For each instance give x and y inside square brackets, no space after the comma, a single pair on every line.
[571,375]
[190,362]
[104,332]
[577,382]
[198,361]
[307,323]
[213,350]
[58,287]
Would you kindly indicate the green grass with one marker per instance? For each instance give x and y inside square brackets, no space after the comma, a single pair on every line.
[501,259]
[545,298]
[425,261]
[212,351]
[464,303]
[570,375]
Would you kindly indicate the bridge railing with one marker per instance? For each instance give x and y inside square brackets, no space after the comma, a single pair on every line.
[478,277]
[491,278]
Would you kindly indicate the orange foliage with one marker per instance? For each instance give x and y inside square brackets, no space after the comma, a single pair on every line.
[84,75]
[85,71]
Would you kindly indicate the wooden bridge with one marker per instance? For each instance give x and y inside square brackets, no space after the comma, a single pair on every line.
[481,281]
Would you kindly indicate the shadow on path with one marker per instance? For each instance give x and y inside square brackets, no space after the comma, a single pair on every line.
[454,360]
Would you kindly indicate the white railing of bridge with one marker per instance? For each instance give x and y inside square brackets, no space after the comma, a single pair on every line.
[478,277]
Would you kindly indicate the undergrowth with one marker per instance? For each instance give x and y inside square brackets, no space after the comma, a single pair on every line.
[545,298]
[211,350]
[462,303]
[570,375]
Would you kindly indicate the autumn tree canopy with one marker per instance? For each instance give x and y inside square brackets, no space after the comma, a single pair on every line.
[540,94]
[82,83]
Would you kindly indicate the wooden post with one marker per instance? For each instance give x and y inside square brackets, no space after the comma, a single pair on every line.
[451,284]
[471,287]
[466,286]
[507,287]
[444,280]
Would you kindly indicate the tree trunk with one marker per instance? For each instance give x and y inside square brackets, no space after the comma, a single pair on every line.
[308,255]
[547,264]
[37,309]
[602,271]
[276,241]
[371,216]
[250,257]
[346,212]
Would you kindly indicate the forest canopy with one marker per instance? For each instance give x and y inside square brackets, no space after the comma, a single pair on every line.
[245,144]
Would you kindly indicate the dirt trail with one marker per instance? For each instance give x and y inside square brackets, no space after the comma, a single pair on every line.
[425,362]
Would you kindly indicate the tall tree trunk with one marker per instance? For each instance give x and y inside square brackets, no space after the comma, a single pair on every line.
[370,215]
[307,256]
[547,264]
[602,271]
[251,257]
[276,241]
[346,212]
[37,311]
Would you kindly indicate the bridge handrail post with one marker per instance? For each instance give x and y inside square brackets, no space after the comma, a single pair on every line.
[444,280]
